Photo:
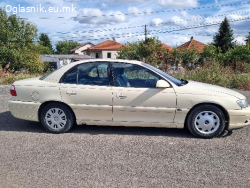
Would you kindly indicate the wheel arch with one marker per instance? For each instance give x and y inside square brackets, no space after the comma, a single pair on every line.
[208,103]
[49,102]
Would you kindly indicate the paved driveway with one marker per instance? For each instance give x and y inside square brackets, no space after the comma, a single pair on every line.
[118,156]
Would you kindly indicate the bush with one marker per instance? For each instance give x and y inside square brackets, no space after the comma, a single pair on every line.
[218,75]
[11,78]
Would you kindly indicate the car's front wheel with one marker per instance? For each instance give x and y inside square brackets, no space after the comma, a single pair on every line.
[57,118]
[206,121]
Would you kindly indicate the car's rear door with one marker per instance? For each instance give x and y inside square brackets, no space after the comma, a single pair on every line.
[86,89]
[137,100]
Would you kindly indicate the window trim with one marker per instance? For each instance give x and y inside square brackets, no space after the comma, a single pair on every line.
[162,78]
[111,73]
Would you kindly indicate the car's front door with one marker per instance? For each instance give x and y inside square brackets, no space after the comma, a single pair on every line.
[136,100]
[86,89]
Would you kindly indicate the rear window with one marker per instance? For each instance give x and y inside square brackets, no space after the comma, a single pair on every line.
[88,74]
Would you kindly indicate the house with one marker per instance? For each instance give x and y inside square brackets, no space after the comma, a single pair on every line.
[192,44]
[82,49]
[167,47]
[58,61]
[105,50]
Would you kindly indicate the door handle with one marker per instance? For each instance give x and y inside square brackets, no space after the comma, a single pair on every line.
[70,93]
[121,96]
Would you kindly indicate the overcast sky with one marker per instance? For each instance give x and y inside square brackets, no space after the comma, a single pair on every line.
[96,21]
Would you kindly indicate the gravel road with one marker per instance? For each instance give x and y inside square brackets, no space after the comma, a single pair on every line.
[118,156]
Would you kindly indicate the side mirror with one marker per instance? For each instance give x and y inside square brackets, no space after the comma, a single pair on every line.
[162,84]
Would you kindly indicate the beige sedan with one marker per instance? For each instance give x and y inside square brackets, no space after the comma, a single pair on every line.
[126,93]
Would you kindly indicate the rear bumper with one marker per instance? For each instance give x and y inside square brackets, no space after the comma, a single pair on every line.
[239,118]
[24,110]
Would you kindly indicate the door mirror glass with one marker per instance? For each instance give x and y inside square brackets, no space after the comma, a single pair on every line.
[162,84]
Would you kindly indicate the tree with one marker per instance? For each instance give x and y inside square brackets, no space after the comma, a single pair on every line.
[44,41]
[224,38]
[43,49]
[190,58]
[210,55]
[64,47]
[17,49]
[174,58]
[150,51]
[239,54]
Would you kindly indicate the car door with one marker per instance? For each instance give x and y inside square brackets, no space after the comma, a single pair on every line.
[86,89]
[136,100]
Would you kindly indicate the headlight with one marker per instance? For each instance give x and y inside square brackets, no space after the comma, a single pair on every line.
[242,103]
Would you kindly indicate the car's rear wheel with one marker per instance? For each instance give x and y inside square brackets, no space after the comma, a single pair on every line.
[206,121]
[57,118]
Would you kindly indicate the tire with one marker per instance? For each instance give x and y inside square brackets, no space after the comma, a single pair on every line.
[206,121]
[57,118]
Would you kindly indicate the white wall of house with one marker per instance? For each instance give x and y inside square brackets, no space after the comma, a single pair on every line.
[93,54]
[113,54]
[104,54]
[80,51]
[63,62]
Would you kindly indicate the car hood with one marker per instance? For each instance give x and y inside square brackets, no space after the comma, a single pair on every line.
[214,88]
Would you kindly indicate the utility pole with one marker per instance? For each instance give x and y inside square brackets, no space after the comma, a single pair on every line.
[145,32]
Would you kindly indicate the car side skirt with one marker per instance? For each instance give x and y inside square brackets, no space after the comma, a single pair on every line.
[130,124]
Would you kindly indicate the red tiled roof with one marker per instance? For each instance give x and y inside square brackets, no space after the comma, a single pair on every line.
[192,44]
[107,45]
[167,47]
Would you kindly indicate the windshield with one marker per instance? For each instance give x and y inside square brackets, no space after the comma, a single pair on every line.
[165,75]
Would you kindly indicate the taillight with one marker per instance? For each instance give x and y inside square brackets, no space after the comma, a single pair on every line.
[13,90]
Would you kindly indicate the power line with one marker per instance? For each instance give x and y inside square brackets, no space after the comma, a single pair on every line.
[200,26]
[102,30]
[150,12]
[203,35]
[180,29]
[130,27]
[156,33]
[202,18]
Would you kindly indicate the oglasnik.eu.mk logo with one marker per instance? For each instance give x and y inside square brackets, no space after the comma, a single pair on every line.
[38,8]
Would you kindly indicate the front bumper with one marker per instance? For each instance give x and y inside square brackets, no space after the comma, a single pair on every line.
[239,118]
[24,110]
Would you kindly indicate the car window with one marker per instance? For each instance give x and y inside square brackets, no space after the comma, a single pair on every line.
[100,71]
[88,74]
[93,74]
[130,75]
[70,77]
[165,75]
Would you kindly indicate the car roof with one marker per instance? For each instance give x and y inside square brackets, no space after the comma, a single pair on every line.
[56,76]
